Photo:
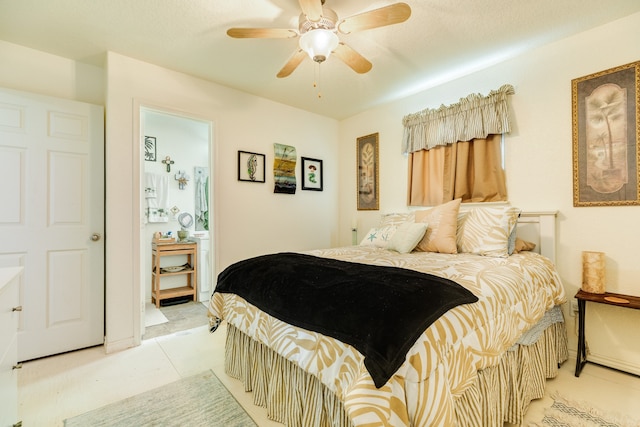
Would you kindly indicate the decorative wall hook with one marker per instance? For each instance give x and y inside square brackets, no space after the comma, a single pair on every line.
[167,161]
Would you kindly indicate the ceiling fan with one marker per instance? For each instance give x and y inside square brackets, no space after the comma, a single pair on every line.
[318,30]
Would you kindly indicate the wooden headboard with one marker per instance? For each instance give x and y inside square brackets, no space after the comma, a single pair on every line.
[539,228]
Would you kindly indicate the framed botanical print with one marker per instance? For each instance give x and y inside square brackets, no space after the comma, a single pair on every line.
[311,174]
[251,166]
[606,137]
[367,178]
[150,148]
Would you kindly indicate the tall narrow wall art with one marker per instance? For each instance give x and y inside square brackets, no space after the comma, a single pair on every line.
[606,137]
[284,168]
[367,159]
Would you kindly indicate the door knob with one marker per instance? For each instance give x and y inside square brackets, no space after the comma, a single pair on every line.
[95,237]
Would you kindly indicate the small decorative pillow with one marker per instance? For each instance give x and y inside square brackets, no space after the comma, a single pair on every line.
[523,245]
[441,234]
[396,218]
[379,237]
[407,237]
[486,231]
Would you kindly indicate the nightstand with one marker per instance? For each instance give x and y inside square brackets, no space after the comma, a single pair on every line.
[619,300]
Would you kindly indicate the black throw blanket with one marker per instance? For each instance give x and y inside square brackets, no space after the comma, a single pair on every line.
[381,311]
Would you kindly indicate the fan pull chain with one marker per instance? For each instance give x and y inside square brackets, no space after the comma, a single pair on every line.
[316,78]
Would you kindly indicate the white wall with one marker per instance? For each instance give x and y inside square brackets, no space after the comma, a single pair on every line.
[39,72]
[539,169]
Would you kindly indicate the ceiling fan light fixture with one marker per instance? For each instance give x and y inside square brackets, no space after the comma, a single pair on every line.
[319,43]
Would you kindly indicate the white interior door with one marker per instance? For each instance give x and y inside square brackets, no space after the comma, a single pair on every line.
[52,219]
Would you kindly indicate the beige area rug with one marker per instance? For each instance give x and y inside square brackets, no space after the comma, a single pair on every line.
[153,316]
[567,413]
[200,400]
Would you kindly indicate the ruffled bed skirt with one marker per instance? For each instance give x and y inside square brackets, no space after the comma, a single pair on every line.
[501,393]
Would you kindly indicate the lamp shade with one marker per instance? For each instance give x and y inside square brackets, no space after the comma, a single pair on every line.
[318,43]
[593,273]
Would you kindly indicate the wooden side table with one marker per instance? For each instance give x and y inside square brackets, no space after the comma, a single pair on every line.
[158,250]
[620,300]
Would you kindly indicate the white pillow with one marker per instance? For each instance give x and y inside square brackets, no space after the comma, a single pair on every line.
[396,218]
[407,236]
[486,231]
[379,236]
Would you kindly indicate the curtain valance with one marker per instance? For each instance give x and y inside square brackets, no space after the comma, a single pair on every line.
[475,116]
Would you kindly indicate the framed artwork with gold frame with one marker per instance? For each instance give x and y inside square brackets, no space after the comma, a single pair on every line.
[367,159]
[606,137]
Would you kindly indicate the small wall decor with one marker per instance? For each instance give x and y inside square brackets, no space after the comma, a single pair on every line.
[251,166]
[167,161]
[150,148]
[606,137]
[311,172]
[367,179]
[284,169]
[182,179]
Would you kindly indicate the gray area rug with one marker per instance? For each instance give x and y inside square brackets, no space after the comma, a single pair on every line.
[200,400]
[568,413]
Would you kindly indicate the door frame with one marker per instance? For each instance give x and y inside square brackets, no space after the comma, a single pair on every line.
[138,174]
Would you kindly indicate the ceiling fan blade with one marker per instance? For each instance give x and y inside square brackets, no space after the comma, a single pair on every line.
[353,59]
[292,63]
[388,15]
[312,9]
[261,33]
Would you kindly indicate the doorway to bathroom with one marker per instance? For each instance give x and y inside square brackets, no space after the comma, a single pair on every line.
[176,205]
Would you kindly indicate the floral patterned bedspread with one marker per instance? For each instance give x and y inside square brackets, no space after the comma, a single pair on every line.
[514,293]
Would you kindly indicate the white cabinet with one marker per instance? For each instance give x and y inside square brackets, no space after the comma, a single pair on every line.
[204,266]
[9,312]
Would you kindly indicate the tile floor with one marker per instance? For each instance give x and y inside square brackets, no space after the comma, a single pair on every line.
[59,387]
[180,317]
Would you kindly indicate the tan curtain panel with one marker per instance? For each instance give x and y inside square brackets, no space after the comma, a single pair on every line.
[426,177]
[471,171]
[475,116]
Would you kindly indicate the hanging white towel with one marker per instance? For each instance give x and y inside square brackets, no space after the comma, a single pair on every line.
[201,202]
[156,191]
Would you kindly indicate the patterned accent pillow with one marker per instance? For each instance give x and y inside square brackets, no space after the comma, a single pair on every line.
[486,231]
[407,237]
[396,218]
[441,234]
[379,237]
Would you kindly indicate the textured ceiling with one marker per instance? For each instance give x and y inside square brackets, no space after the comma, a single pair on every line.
[442,40]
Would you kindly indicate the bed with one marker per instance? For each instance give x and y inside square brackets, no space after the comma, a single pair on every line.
[478,364]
